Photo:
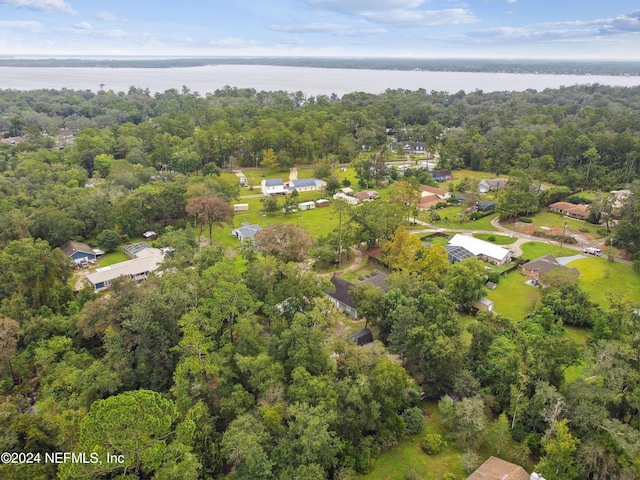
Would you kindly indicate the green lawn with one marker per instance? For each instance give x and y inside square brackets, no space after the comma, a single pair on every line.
[365,269]
[497,239]
[531,250]
[449,218]
[554,220]
[513,298]
[407,456]
[599,277]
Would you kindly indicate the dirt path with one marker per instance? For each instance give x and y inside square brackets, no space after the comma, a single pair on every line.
[293,173]
[355,265]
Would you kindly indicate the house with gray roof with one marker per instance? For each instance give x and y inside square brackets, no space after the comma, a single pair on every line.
[80,253]
[308,185]
[341,298]
[246,232]
[492,184]
[138,269]
[541,265]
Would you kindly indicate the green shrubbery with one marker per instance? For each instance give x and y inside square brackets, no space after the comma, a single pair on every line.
[433,443]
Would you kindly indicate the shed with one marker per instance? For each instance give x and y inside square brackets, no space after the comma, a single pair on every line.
[483,304]
[150,235]
[306,206]
[240,207]
[362,337]
[323,202]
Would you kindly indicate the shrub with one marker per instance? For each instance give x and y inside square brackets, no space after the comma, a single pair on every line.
[448,476]
[469,461]
[491,238]
[412,475]
[433,444]
[413,420]
[526,220]
[494,277]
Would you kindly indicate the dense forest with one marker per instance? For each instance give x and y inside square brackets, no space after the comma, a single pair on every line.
[229,364]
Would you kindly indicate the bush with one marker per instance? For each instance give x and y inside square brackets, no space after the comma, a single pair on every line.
[526,220]
[469,461]
[448,476]
[491,238]
[413,420]
[494,277]
[433,444]
[412,475]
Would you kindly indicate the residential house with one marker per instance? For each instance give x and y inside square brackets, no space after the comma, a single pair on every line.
[347,198]
[541,265]
[80,253]
[486,251]
[133,249]
[441,175]
[408,148]
[341,298]
[492,184]
[457,254]
[246,232]
[273,186]
[366,195]
[146,261]
[427,202]
[581,212]
[427,191]
[307,185]
[497,469]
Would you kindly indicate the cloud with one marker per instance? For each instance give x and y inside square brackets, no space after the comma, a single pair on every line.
[232,42]
[398,12]
[42,5]
[31,27]
[83,25]
[107,16]
[339,29]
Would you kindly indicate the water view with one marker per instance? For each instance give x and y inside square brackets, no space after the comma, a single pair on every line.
[311,81]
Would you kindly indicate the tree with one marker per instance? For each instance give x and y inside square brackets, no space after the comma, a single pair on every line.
[401,252]
[269,159]
[244,446]
[405,195]
[375,222]
[133,424]
[558,462]
[108,240]
[517,198]
[286,242]
[434,264]
[210,211]
[10,332]
[465,282]
[270,205]
[291,202]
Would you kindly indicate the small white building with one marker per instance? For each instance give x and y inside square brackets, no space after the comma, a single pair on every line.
[483,304]
[240,207]
[306,206]
[246,232]
[273,186]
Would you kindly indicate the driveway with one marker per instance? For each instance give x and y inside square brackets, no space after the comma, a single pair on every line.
[565,260]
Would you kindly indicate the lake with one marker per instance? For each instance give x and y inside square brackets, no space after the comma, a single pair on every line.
[311,81]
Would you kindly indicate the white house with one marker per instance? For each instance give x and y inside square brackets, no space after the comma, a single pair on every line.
[486,251]
[347,198]
[273,186]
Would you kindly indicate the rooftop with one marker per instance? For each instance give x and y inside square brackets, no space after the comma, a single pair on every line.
[498,469]
[479,247]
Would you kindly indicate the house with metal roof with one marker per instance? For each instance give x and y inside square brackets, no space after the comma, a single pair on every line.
[486,251]
[492,184]
[273,186]
[138,269]
[246,232]
[341,298]
[308,185]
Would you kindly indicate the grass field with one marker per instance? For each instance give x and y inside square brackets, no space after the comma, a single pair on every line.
[497,239]
[450,218]
[513,298]
[599,277]
[554,220]
[531,250]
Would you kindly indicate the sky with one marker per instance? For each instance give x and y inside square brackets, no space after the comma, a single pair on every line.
[541,29]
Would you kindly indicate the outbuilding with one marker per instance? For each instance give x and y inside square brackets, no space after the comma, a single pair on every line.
[306,206]
[240,207]
[362,337]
